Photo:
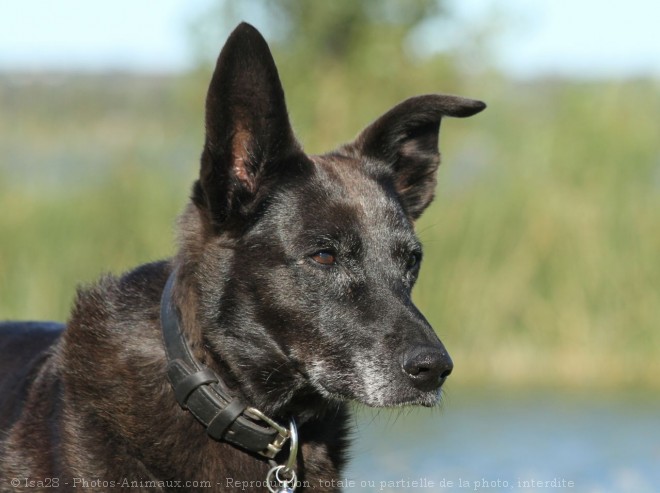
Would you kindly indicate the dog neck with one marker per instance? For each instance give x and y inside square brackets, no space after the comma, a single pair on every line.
[203,393]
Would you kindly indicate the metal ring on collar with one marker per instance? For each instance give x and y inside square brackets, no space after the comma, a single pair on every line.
[293,447]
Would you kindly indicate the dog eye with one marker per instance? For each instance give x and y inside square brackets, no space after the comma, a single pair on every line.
[325,257]
[413,260]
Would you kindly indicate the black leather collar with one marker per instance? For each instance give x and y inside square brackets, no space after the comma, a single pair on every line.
[202,392]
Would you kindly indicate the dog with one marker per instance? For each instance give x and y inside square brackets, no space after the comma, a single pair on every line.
[230,365]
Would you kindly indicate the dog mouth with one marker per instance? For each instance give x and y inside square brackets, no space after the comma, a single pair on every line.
[416,398]
[391,400]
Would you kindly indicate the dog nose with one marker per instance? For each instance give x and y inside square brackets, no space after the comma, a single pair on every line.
[427,366]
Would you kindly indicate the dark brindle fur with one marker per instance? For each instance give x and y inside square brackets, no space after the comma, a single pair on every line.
[294,275]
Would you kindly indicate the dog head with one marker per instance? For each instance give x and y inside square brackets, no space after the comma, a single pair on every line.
[304,265]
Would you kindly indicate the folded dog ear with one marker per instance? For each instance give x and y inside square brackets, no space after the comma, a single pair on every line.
[247,126]
[405,140]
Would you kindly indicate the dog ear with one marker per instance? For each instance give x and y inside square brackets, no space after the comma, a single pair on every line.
[247,126]
[405,140]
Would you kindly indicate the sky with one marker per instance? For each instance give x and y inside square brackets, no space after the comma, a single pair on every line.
[580,38]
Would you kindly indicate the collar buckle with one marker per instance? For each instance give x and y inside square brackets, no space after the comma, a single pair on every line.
[274,447]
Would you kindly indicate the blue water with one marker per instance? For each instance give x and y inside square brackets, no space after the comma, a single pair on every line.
[511,441]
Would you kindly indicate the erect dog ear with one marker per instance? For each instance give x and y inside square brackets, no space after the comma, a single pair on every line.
[405,140]
[247,127]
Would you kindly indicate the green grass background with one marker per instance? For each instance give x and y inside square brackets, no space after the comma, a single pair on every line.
[542,249]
